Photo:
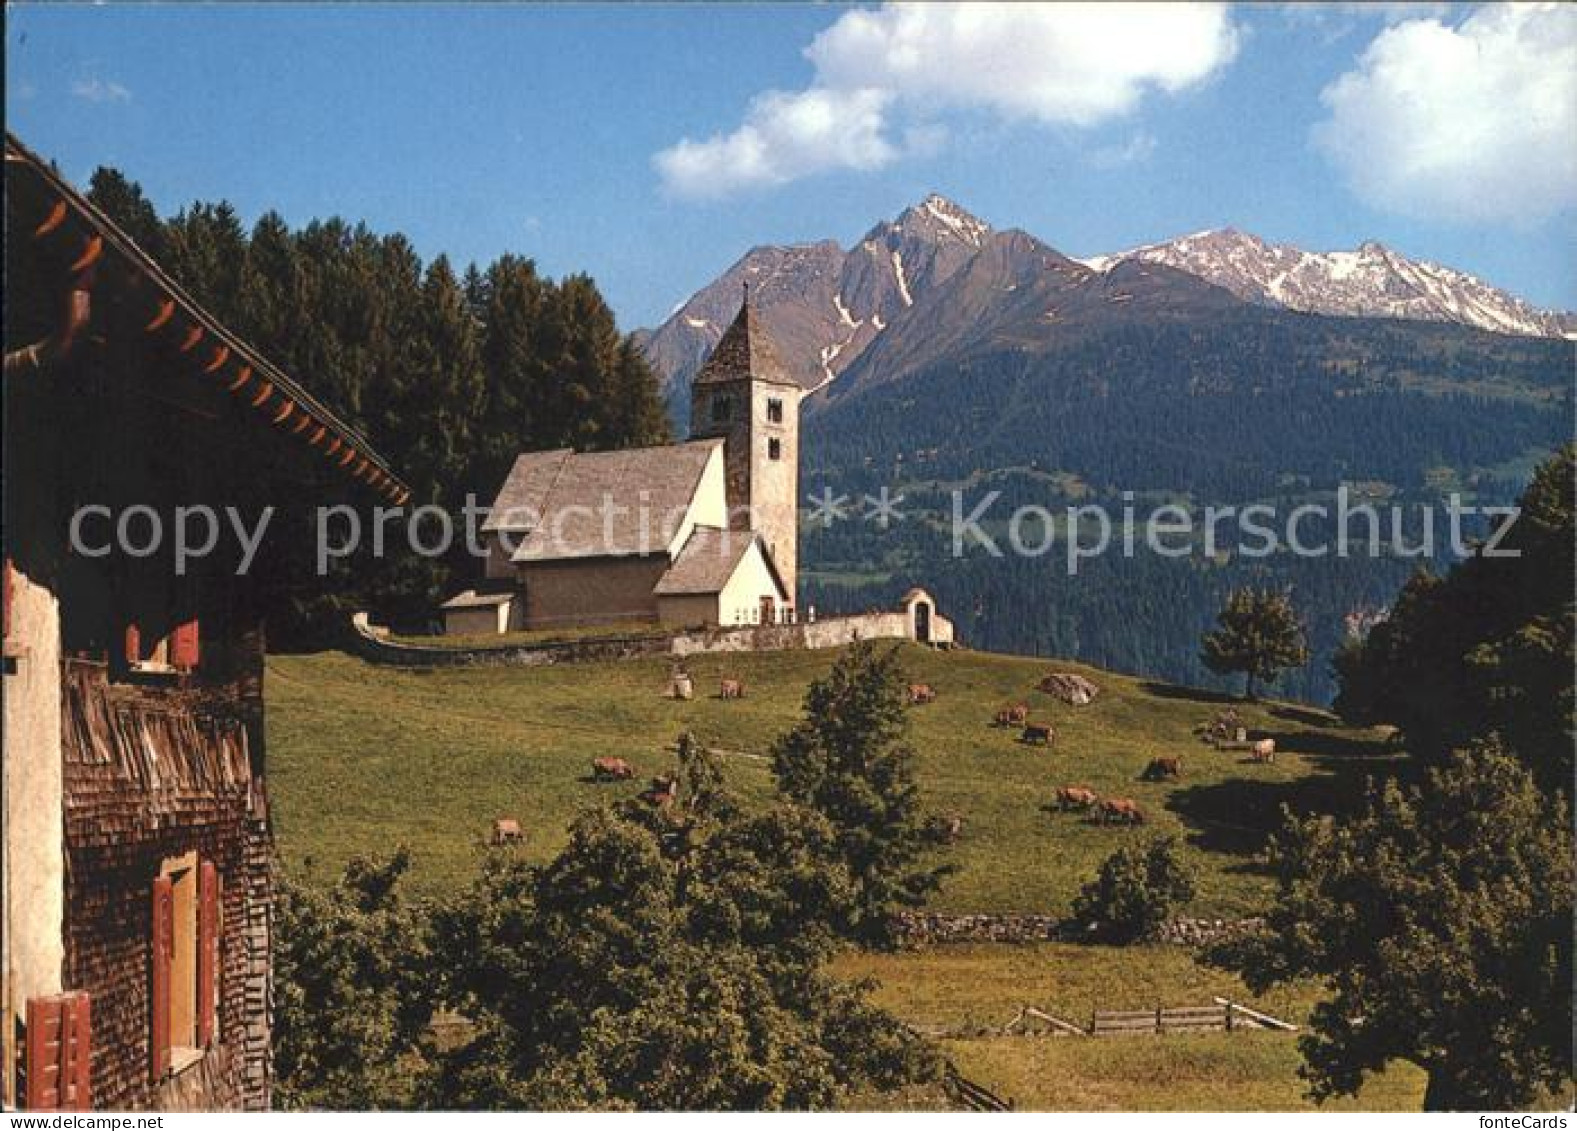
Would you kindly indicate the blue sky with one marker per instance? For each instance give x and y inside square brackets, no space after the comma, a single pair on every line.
[480,130]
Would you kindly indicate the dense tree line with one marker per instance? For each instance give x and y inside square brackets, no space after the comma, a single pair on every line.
[1143,615]
[1229,411]
[1441,914]
[1485,647]
[449,373]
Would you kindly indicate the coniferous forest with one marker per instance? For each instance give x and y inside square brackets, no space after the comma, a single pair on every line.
[452,372]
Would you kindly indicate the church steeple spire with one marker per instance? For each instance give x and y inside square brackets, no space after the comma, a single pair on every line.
[744,396]
[745,352]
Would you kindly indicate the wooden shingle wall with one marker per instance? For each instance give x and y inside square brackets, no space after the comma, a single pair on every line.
[152,773]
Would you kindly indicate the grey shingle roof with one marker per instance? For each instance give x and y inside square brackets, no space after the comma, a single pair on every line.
[589,504]
[744,351]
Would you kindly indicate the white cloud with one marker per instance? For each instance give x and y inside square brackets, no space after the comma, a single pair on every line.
[784,136]
[1476,122]
[100,90]
[894,69]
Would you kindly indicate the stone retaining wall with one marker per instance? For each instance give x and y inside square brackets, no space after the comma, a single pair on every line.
[932,929]
[373,644]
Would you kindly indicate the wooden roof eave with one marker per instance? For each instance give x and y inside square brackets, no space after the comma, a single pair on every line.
[105,237]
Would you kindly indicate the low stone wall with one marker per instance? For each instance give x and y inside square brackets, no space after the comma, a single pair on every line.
[372,643]
[926,928]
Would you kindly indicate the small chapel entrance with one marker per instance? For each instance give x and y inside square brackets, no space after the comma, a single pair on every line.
[922,622]
[768,610]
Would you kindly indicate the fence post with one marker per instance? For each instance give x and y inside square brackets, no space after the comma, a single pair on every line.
[1159,1028]
[1228,1007]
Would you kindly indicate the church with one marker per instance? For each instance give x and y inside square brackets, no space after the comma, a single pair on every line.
[702,532]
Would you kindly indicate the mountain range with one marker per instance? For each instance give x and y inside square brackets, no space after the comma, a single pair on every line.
[949,363]
[827,307]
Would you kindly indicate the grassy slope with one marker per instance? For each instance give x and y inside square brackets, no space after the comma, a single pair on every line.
[363,758]
[963,988]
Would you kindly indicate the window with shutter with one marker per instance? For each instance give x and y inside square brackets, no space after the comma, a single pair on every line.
[184,645]
[58,1060]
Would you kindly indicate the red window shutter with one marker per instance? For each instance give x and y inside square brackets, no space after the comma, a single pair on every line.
[59,1054]
[207,953]
[133,643]
[184,645]
[45,1022]
[76,1061]
[163,951]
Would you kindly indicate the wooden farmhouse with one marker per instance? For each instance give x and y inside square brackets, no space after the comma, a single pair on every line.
[690,534]
[136,874]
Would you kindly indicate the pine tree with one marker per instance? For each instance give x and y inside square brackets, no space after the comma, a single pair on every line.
[846,760]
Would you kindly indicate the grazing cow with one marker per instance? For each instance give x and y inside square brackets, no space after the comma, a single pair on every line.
[1015,715]
[611,769]
[1038,732]
[660,794]
[1076,797]
[731,689]
[922,693]
[1160,768]
[1121,811]
[506,830]
[948,829]
[1263,751]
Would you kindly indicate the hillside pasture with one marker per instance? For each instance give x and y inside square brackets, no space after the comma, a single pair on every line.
[365,758]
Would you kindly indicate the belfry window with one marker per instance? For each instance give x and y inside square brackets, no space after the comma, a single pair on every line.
[774,410]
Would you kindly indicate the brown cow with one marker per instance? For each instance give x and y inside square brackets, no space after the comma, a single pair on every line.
[506,830]
[1263,751]
[660,794]
[1120,810]
[1160,768]
[1014,715]
[611,769]
[1038,732]
[948,829]
[1076,797]
[921,693]
[731,689]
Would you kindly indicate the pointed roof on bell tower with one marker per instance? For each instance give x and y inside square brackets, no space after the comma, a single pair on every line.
[744,353]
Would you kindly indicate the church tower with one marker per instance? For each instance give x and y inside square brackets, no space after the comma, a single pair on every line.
[743,394]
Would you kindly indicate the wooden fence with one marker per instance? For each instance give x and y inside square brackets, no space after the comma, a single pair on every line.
[1186,1019]
[1223,1015]
[971,1095]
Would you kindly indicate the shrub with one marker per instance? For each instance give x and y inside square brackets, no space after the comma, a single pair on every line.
[1135,891]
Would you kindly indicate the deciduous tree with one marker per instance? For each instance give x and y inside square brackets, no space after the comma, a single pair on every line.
[1440,917]
[1259,634]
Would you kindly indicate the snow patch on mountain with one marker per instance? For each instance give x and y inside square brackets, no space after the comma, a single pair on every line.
[903,284]
[957,221]
[1371,282]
